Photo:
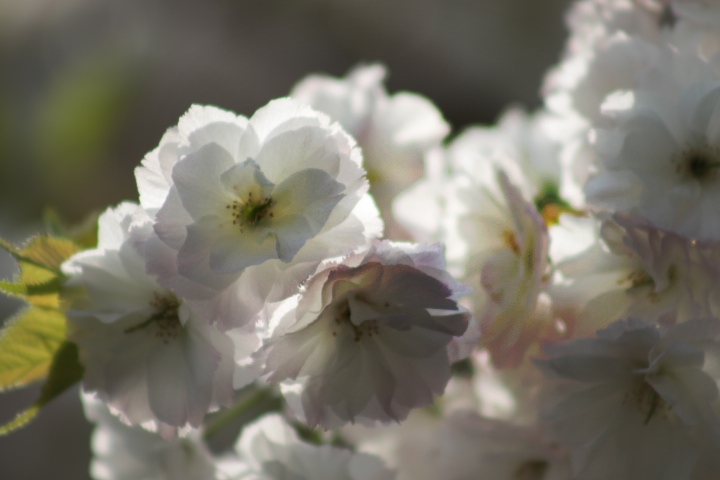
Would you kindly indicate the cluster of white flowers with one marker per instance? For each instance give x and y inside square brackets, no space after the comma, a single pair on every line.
[580,302]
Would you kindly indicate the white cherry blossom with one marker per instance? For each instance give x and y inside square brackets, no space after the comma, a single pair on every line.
[269,449]
[635,269]
[635,402]
[144,351]
[465,445]
[369,338]
[661,160]
[395,131]
[124,452]
[247,208]
[497,241]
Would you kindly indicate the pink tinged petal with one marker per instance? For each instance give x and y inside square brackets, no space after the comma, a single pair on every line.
[303,203]
[356,376]
[415,343]
[198,181]
[194,256]
[408,286]
[316,295]
[342,280]
[430,256]
[361,310]
[453,324]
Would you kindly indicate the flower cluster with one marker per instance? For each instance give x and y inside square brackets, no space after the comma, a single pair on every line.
[589,233]
[253,258]
[572,332]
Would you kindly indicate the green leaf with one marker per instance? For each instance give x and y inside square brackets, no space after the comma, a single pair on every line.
[33,345]
[46,253]
[28,344]
[40,278]
[65,372]
[9,247]
[49,252]
[20,420]
[16,289]
[20,290]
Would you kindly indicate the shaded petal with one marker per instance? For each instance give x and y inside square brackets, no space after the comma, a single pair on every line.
[233,252]
[303,203]
[194,256]
[197,179]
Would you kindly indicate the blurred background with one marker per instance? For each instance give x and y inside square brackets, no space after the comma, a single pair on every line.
[87,87]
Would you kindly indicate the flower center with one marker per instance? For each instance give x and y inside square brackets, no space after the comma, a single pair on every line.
[511,241]
[638,278]
[551,205]
[165,317]
[252,211]
[368,328]
[647,399]
[698,165]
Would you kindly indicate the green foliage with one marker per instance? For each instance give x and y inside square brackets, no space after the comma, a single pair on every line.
[65,372]
[33,344]
[28,344]
[40,277]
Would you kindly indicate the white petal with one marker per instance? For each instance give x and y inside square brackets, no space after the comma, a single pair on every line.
[197,179]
